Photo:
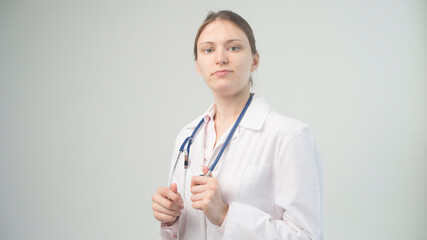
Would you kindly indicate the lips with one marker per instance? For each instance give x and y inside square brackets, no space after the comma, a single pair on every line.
[222,73]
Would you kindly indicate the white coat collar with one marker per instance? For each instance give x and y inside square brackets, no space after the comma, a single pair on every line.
[254,117]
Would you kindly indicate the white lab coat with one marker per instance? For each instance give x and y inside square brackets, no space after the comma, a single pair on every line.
[270,174]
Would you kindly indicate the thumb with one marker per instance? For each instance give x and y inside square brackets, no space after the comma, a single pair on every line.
[174,188]
[205,170]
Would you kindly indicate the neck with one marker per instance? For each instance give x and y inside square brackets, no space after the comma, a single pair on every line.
[228,108]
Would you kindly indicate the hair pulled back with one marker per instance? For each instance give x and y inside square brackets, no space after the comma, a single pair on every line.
[228,16]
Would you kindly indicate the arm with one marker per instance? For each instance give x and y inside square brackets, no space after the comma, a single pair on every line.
[298,182]
[169,229]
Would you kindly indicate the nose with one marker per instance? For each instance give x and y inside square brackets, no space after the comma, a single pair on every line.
[222,57]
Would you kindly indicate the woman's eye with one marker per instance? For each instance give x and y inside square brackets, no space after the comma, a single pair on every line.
[207,50]
[235,48]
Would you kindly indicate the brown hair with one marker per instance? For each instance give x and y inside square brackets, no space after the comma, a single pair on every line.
[229,16]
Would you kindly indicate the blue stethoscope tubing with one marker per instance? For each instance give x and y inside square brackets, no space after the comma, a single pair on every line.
[189,140]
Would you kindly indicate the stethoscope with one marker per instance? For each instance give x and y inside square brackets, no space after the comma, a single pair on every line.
[189,140]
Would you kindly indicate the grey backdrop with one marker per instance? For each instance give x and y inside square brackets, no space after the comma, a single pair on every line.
[92,94]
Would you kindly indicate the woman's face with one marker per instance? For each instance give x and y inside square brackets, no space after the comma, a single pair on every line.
[224,58]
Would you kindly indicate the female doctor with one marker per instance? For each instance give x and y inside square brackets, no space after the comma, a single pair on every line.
[267,180]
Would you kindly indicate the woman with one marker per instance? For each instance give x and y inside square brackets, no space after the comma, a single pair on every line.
[267,183]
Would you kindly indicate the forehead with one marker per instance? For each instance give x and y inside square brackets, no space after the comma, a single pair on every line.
[220,31]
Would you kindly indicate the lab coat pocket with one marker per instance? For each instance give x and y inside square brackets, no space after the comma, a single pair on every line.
[257,186]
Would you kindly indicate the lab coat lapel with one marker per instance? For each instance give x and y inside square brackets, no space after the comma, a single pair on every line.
[197,149]
[253,119]
[218,147]
[256,114]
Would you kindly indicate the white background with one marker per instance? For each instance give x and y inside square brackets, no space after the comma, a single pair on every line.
[93,93]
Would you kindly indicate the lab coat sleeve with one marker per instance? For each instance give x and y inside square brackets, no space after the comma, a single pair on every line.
[171,232]
[298,193]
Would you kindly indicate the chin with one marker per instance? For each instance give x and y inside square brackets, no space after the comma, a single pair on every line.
[227,91]
[224,86]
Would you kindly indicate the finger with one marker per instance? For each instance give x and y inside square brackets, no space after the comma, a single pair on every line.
[198,188]
[166,192]
[166,203]
[205,170]
[199,180]
[200,205]
[197,197]
[174,188]
[157,207]
[174,197]
[164,217]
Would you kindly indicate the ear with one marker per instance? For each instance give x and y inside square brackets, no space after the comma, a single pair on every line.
[255,62]
[198,67]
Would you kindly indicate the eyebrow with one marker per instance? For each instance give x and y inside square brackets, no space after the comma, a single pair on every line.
[228,41]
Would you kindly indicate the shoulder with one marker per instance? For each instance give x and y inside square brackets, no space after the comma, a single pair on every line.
[285,129]
[279,123]
[269,123]
[262,119]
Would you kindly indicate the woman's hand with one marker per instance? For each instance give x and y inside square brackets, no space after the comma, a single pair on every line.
[167,204]
[207,197]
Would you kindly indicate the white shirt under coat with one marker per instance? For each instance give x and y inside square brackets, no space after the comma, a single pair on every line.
[270,174]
